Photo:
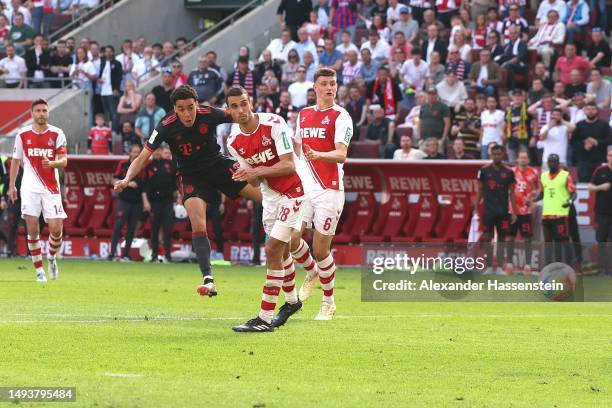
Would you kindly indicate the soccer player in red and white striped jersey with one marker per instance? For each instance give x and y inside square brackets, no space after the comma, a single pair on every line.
[261,143]
[324,132]
[42,149]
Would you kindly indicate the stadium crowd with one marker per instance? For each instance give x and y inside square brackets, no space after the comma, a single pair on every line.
[420,79]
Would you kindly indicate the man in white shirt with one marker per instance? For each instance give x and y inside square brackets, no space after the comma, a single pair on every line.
[13,69]
[299,89]
[17,6]
[306,44]
[414,71]
[599,90]
[406,152]
[379,48]
[576,109]
[146,67]
[492,127]
[550,34]
[546,6]
[554,137]
[346,45]
[280,47]
[452,91]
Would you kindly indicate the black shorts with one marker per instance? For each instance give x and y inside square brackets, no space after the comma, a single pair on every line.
[522,224]
[217,177]
[501,222]
[556,229]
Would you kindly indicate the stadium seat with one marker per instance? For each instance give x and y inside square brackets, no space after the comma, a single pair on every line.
[453,222]
[107,229]
[364,150]
[363,133]
[74,201]
[392,216]
[422,219]
[98,210]
[402,131]
[240,221]
[362,210]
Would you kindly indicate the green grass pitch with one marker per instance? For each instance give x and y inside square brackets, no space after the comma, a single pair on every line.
[137,335]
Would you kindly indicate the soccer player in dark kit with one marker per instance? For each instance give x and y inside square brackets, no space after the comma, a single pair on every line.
[496,183]
[190,131]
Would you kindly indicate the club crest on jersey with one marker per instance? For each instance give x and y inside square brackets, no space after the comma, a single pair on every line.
[241,151]
[303,119]
[325,120]
[50,142]
[28,142]
[203,129]
[266,141]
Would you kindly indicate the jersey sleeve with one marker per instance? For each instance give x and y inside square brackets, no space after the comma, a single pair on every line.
[234,155]
[282,137]
[218,116]
[61,145]
[297,137]
[18,148]
[155,140]
[344,128]
[119,171]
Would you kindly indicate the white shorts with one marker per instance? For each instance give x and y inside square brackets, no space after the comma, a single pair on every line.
[324,208]
[49,204]
[281,216]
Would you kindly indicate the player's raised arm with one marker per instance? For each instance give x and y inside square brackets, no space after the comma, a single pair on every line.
[134,170]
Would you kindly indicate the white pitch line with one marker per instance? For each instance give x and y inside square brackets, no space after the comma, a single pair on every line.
[123,375]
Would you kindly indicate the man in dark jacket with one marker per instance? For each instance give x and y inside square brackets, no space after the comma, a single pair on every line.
[514,58]
[38,62]
[109,79]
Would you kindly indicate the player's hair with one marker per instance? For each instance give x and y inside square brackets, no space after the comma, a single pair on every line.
[235,91]
[39,101]
[593,104]
[498,147]
[100,115]
[324,72]
[183,92]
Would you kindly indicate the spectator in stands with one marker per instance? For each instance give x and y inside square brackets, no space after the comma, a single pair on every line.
[590,140]
[380,132]
[493,126]
[342,17]
[183,46]
[451,91]
[280,47]
[599,50]
[146,67]
[60,64]
[458,152]
[378,47]
[369,66]
[545,7]
[575,18]
[435,71]
[243,77]
[346,45]
[13,69]
[128,209]
[299,88]
[158,52]
[139,45]
[434,117]
[312,25]
[87,4]
[518,129]
[127,59]
[96,60]
[129,137]
[601,185]
[554,137]
[71,45]
[148,117]
[168,56]
[83,72]
[109,78]
[395,64]
[290,68]
[206,81]
[542,112]
[569,62]
[5,29]
[285,109]
[267,63]
[385,92]
[514,18]
[400,43]
[514,58]
[576,85]
[163,91]
[536,92]
[263,104]
[599,90]
[311,67]
[212,63]
[332,58]
[485,75]
[433,43]
[406,25]
[21,34]
[540,72]
[466,127]
[158,196]
[495,46]
[550,34]
[129,103]
[432,149]
[465,51]
[322,9]
[413,74]
[351,69]
[305,44]
[293,14]
[356,107]
[576,109]
[455,63]
[406,152]
[17,7]
[100,138]
[38,61]
[178,76]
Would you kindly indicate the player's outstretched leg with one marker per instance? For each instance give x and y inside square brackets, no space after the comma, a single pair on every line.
[35,251]
[327,273]
[303,258]
[201,246]
[55,242]
[292,303]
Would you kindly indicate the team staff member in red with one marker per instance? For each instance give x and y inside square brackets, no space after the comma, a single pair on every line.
[601,184]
